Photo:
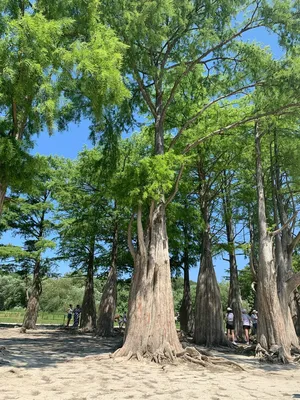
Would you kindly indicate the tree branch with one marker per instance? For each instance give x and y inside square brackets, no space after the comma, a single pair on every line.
[257,117]
[129,239]
[284,226]
[141,240]
[293,282]
[150,222]
[294,243]
[197,115]
[176,185]
[192,64]
[144,92]
[237,60]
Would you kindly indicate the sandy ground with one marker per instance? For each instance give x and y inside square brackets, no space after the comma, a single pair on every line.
[54,364]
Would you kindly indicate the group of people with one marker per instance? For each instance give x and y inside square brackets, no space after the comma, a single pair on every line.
[73,312]
[249,323]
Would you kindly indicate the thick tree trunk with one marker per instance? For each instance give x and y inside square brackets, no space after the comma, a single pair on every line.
[283,243]
[272,330]
[3,189]
[151,329]
[88,310]
[209,328]
[186,316]
[32,309]
[108,303]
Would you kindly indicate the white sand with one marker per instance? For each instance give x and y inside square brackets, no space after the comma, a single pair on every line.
[53,364]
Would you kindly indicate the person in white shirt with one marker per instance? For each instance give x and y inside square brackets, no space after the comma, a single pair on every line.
[246,324]
[230,325]
[69,315]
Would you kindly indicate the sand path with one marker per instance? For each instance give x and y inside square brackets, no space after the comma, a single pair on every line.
[53,364]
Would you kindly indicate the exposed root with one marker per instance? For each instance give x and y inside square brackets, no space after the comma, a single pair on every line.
[166,355]
[276,354]
[129,356]
[195,360]
[228,362]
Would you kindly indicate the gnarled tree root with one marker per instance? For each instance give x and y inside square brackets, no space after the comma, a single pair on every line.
[275,355]
[167,355]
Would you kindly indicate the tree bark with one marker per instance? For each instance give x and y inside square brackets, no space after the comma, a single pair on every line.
[108,303]
[88,310]
[272,324]
[151,329]
[295,311]
[209,328]
[234,298]
[32,309]
[186,316]
[253,262]
[3,189]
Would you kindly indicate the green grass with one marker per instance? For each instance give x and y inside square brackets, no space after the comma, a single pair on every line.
[16,317]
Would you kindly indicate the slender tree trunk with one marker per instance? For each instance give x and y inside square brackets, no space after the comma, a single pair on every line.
[32,309]
[151,326]
[234,298]
[3,189]
[253,258]
[295,310]
[209,328]
[272,324]
[186,308]
[88,311]
[108,303]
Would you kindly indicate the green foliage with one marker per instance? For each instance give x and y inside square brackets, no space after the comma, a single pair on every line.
[29,215]
[245,281]
[12,292]
[224,290]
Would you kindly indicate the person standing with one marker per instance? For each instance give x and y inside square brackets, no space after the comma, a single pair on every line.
[254,318]
[69,316]
[246,324]
[76,313]
[123,320]
[230,325]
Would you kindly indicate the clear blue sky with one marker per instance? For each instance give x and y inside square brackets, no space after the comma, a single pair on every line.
[70,142]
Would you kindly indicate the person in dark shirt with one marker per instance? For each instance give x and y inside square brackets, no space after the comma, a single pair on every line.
[76,313]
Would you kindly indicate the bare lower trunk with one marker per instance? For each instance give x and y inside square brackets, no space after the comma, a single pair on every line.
[88,310]
[107,308]
[3,189]
[253,258]
[32,309]
[272,330]
[234,298]
[209,328]
[295,310]
[186,309]
[283,242]
[151,326]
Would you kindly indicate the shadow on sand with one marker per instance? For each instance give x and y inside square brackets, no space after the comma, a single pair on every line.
[48,347]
